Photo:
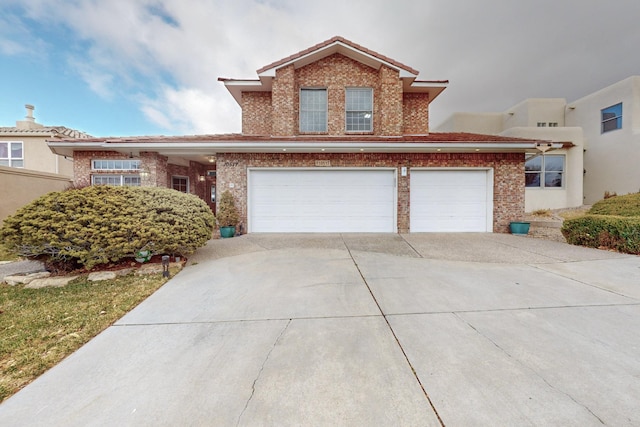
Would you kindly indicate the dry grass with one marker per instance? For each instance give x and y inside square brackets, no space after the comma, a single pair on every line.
[40,327]
[574,213]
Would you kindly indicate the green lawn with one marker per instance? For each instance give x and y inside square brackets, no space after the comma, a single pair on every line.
[40,327]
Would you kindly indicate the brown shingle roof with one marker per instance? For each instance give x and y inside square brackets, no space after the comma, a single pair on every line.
[62,131]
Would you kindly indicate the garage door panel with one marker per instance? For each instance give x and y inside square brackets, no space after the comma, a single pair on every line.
[328,200]
[449,201]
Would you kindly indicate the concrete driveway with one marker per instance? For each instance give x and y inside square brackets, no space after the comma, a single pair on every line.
[363,330]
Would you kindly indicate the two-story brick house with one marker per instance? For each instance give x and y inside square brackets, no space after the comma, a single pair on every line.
[334,139]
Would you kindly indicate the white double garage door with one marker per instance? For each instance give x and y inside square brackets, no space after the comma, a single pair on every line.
[365,200]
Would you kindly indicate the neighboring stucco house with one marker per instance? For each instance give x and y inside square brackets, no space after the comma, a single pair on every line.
[554,180]
[334,139]
[28,168]
[603,129]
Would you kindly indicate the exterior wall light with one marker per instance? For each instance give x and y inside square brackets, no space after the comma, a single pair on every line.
[202,178]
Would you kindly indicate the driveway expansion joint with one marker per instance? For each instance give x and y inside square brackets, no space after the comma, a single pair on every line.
[397,340]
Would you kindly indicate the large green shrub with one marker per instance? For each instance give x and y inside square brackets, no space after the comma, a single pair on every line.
[101,224]
[604,231]
[627,205]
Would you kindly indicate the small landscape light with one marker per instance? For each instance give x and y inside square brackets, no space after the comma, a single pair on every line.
[165,265]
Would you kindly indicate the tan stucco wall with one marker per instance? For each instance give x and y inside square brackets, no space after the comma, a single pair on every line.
[611,158]
[572,193]
[38,156]
[20,186]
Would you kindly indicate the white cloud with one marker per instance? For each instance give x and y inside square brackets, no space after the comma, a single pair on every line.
[167,54]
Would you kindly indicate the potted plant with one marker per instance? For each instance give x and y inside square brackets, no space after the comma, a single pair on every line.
[227,215]
[520,228]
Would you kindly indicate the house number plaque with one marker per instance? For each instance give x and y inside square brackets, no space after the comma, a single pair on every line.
[323,162]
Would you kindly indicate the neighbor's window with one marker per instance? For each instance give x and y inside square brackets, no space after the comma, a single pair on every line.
[11,154]
[180,183]
[545,171]
[542,124]
[115,165]
[359,108]
[612,118]
[121,180]
[313,110]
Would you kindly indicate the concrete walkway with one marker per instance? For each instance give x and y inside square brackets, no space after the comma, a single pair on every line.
[362,330]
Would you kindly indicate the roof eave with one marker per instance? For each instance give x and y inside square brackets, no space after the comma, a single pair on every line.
[208,148]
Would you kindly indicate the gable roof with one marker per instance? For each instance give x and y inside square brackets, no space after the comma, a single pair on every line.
[340,45]
[326,48]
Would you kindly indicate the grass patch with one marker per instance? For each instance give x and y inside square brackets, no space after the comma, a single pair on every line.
[40,327]
[573,213]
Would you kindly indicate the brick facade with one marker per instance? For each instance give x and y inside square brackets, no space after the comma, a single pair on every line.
[271,116]
[508,176]
[277,112]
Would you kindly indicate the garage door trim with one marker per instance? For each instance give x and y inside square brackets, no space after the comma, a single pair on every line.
[489,188]
[392,170]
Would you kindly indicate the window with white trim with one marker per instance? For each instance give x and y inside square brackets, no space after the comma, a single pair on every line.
[12,154]
[359,109]
[544,171]
[611,118]
[180,183]
[119,180]
[115,165]
[313,110]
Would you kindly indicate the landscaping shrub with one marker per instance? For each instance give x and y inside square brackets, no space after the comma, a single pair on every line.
[627,205]
[101,224]
[604,231]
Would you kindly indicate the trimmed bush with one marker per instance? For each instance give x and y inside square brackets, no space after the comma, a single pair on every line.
[228,215]
[604,231]
[627,205]
[101,224]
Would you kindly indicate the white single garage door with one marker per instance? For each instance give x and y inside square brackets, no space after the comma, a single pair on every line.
[451,200]
[322,200]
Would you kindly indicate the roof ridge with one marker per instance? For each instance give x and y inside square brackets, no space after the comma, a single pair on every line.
[329,42]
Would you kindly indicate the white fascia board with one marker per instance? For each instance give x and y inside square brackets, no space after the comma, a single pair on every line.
[323,146]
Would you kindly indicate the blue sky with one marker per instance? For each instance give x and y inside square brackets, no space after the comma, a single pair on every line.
[150,67]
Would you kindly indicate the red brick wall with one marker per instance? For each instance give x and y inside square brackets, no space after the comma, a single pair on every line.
[390,102]
[283,101]
[415,107]
[508,169]
[256,113]
[335,72]
[82,165]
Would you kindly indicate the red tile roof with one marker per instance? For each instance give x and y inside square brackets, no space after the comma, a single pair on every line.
[332,40]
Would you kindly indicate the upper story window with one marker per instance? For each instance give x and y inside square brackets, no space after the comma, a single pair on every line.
[612,118]
[544,171]
[11,154]
[313,110]
[542,124]
[359,109]
[115,165]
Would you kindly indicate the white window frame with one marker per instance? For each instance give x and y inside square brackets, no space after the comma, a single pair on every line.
[606,121]
[117,180]
[347,110]
[115,164]
[186,178]
[9,160]
[312,118]
[542,172]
